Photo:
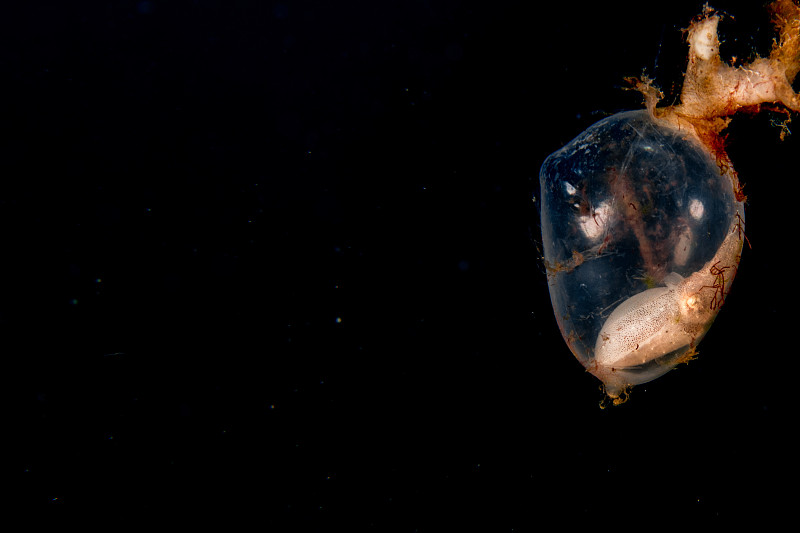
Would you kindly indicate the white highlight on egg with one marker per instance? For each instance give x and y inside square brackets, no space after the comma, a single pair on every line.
[696,209]
[594,225]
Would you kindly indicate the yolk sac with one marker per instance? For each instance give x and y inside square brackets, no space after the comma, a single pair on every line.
[642,214]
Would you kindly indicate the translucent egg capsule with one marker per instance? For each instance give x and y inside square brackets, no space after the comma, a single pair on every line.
[642,233]
[642,214]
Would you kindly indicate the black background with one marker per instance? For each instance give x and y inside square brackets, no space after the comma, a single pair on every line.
[279,260]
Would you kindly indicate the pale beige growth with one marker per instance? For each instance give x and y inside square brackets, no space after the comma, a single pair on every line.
[714,90]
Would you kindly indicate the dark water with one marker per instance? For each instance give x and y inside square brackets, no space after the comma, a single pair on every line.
[279,260]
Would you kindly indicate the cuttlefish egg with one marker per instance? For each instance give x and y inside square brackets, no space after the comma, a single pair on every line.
[645,326]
